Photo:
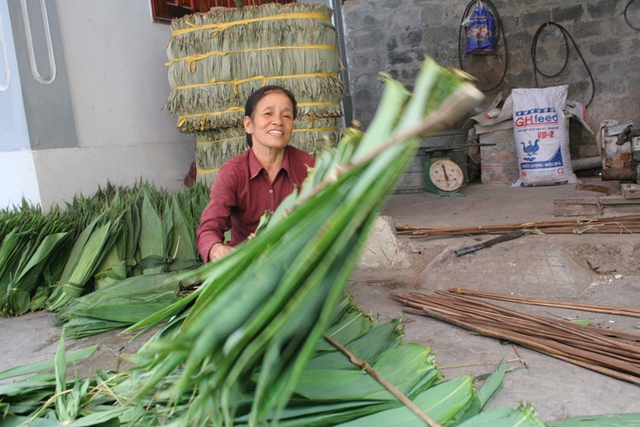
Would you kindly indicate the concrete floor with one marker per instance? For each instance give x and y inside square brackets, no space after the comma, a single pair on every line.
[552,267]
[595,269]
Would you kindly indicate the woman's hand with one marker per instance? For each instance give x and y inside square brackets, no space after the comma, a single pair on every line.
[217,251]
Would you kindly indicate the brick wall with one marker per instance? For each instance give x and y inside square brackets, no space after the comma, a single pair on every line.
[394,36]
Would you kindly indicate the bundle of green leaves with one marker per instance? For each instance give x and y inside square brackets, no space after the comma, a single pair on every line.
[49,259]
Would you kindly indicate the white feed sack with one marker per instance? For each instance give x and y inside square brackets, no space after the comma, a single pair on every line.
[541,133]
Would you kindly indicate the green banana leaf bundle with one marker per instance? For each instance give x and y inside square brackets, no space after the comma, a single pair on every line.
[151,233]
[30,245]
[88,251]
[332,390]
[36,246]
[47,259]
[119,305]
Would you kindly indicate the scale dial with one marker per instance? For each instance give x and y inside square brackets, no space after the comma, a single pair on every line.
[446,175]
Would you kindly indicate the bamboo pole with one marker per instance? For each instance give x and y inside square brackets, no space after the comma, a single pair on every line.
[627,224]
[593,348]
[558,304]
[616,368]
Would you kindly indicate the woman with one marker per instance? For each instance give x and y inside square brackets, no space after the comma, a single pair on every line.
[257,180]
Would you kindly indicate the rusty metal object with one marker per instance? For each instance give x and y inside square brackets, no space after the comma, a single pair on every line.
[618,174]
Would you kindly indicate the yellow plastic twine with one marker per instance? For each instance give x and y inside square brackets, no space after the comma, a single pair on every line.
[205,171]
[218,141]
[220,26]
[191,60]
[264,79]
[204,116]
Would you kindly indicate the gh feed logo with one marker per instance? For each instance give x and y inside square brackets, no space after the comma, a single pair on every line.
[536,117]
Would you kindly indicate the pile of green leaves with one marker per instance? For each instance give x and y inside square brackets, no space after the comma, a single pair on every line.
[332,390]
[48,260]
[31,251]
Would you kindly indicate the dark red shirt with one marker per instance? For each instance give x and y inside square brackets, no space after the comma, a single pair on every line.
[242,192]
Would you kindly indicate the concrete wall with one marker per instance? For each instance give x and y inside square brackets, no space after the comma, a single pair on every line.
[395,36]
[43,77]
[14,134]
[17,170]
[110,56]
[118,80]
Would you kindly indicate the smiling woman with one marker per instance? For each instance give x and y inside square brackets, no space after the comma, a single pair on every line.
[277,108]
[257,180]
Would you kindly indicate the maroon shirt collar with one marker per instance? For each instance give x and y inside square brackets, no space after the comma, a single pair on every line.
[255,167]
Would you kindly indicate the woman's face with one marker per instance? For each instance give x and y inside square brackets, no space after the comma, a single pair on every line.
[272,122]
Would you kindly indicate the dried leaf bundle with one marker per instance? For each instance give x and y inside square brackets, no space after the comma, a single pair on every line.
[217,59]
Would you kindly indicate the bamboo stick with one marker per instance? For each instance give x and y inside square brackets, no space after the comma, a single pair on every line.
[627,224]
[531,325]
[558,304]
[631,339]
[586,346]
[364,365]
[568,354]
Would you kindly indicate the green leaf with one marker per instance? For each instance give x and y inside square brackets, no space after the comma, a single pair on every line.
[442,403]
[609,420]
[339,384]
[492,385]
[506,417]
[19,421]
[49,364]
[152,238]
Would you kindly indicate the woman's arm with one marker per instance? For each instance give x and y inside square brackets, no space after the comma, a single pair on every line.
[216,217]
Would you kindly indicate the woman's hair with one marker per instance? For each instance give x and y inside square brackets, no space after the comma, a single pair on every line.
[257,95]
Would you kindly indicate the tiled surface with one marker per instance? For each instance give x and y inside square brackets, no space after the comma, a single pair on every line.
[518,267]
[593,269]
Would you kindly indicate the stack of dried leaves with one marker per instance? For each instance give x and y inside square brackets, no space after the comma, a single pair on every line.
[217,59]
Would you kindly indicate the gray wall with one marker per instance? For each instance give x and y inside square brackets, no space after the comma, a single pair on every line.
[47,106]
[101,119]
[13,125]
[395,36]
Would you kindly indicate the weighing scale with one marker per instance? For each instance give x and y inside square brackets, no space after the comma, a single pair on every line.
[442,175]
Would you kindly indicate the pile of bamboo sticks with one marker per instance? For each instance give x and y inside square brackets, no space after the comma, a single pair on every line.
[611,352]
[628,224]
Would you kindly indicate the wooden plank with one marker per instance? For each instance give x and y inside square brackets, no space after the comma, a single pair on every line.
[605,189]
[577,206]
[595,206]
